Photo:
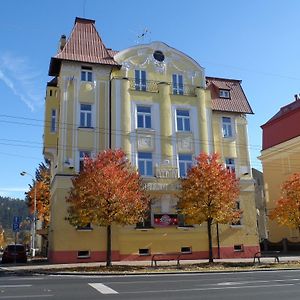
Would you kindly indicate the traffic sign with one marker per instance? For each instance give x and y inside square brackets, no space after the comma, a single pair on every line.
[16,223]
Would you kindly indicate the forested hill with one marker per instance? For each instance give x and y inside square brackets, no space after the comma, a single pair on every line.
[12,207]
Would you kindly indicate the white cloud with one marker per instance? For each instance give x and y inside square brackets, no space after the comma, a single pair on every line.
[21,79]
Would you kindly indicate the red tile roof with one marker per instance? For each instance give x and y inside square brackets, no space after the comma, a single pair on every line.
[285,110]
[283,126]
[237,101]
[83,45]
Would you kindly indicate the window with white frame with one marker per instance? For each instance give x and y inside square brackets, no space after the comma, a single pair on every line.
[140,80]
[230,164]
[145,163]
[82,155]
[224,93]
[177,84]
[53,120]
[143,116]
[85,115]
[184,163]
[227,127]
[86,74]
[183,120]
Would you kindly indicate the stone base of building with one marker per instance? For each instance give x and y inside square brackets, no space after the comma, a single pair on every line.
[100,256]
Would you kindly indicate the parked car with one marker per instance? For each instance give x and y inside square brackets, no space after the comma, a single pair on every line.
[14,253]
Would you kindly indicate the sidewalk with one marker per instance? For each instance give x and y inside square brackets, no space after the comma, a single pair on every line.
[40,266]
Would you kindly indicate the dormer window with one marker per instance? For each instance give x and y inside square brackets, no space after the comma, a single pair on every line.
[224,94]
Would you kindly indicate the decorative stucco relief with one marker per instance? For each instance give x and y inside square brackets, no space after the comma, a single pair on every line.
[185,144]
[145,142]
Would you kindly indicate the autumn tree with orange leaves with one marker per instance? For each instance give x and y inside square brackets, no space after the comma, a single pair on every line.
[287,210]
[209,194]
[42,185]
[108,191]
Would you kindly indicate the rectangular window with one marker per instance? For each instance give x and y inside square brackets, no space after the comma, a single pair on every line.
[82,155]
[86,115]
[230,164]
[224,93]
[87,227]
[140,80]
[86,74]
[53,120]
[227,127]
[143,116]
[238,248]
[186,250]
[144,251]
[83,254]
[183,120]
[185,163]
[177,84]
[146,223]
[181,221]
[145,163]
[238,208]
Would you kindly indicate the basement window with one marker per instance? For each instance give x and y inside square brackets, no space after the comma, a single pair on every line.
[87,227]
[83,254]
[144,251]
[238,248]
[186,250]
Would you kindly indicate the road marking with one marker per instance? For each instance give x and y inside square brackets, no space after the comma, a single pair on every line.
[15,285]
[103,289]
[25,278]
[27,296]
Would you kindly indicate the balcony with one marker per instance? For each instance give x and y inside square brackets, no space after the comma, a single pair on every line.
[146,86]
[152,87]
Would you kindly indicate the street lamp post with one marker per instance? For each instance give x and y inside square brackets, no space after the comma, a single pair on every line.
[34,214]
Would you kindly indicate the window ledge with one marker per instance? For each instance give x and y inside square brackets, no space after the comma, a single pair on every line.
[229,138]
[144,229]
[82,229]
[145,130]
[184,132]
[186,227]
[86,128]
[237,226]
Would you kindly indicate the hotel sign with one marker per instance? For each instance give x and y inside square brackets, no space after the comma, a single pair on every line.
[157,186]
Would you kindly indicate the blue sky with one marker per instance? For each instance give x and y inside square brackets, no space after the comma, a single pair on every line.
[255,41]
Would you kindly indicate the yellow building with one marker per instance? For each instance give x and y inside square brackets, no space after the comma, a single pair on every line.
[280,159]
[155,103]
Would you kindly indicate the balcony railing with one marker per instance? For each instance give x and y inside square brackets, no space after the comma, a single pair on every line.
[152,86]
[146,86]
[185,89]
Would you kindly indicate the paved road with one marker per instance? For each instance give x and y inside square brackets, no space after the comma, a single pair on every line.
[248,285]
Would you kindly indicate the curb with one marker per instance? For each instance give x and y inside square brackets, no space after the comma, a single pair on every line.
[107,274]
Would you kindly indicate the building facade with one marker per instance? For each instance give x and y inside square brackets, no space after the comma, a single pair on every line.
[155,103]
[280,159]
[260,202]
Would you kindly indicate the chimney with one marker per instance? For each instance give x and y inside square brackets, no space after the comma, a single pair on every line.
[296,97]
[62,42]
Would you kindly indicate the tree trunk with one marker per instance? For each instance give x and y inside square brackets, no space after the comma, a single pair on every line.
[108,246]
[210,252]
